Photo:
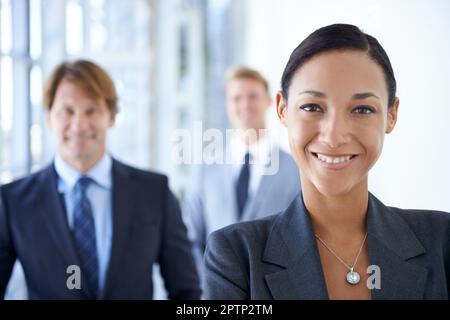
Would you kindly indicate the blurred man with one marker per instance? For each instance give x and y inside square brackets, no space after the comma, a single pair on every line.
[88,226]
[246,188]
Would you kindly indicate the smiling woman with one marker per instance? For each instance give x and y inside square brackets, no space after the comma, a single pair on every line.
[336,131]
[336,240]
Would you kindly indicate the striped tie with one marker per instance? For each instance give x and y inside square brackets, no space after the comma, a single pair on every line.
[84,234]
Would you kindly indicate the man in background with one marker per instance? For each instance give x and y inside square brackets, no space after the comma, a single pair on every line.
[247,187]
[88,226]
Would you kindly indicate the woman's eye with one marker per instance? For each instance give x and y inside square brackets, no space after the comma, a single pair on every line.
[364,110]
[310,107]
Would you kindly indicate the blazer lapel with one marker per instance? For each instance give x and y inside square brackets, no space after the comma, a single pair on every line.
[258,201]
[255,203]
[51,206]
[229,196]
[392,245]
[122,209]
[301,275]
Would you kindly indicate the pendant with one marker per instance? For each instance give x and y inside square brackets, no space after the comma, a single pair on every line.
[353,277]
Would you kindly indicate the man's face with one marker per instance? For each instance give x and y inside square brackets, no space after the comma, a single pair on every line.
[247,102]
[80,123]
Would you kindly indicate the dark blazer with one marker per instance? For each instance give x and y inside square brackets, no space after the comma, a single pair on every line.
[277,257]
[147,229]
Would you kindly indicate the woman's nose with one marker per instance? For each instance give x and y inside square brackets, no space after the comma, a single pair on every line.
[334,131]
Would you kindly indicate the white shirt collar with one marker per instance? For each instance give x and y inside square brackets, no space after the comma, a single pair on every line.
[68,175]
[259,150]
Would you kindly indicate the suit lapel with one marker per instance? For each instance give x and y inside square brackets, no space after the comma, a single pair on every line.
[264,193]
[400,280]
[392,247]
[51,206]
[301,275]
[252,209]
[228,198]
[256,205]
[123,198]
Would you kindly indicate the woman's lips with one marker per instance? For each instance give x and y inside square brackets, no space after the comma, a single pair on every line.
[337,161]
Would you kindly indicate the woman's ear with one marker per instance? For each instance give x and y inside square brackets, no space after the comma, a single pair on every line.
[392,116]
[281,108]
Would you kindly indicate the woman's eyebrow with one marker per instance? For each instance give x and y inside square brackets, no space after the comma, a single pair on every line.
[356,96]
[364,95]
[317,94]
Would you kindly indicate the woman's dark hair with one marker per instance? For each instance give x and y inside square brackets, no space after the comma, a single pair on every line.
[339,37]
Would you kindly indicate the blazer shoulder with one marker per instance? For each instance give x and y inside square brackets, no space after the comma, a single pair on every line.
[421,215]
[283,154]
[241,235]
[286,161]
[426,223]
[148,175]
[24,185]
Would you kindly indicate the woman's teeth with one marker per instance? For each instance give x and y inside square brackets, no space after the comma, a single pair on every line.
[333,160]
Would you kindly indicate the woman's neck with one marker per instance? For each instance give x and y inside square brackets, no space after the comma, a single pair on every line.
[339,217]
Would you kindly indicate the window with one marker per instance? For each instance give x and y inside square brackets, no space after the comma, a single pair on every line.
[36,35]
[15,66]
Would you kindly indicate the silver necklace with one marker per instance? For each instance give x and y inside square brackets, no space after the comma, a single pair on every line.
[352,277]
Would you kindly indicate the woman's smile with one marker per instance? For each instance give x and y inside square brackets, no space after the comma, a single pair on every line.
[333,161]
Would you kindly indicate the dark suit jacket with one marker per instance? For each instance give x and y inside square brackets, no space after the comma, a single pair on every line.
[277,257]
[147,229]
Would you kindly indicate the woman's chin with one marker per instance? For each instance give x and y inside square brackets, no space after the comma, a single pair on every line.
[333,189]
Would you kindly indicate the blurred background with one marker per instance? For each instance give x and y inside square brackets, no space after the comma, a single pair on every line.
[168,59]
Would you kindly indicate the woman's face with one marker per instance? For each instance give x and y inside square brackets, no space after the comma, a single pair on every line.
[337,114]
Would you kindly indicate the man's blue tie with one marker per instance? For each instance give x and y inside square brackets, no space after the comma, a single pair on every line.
[242,185]
[84,234]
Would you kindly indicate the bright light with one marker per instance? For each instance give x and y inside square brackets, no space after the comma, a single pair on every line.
[36,86]
[6,98]
[5,27]
[99,32]
[74,27]
[35,29]
[36,141]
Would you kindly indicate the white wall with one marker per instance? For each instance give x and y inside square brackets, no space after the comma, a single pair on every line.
[414,169]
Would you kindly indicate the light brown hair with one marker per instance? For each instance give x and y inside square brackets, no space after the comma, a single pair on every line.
[91,77]
[234,73]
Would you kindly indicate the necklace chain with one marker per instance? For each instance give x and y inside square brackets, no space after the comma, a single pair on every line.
[342,261]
